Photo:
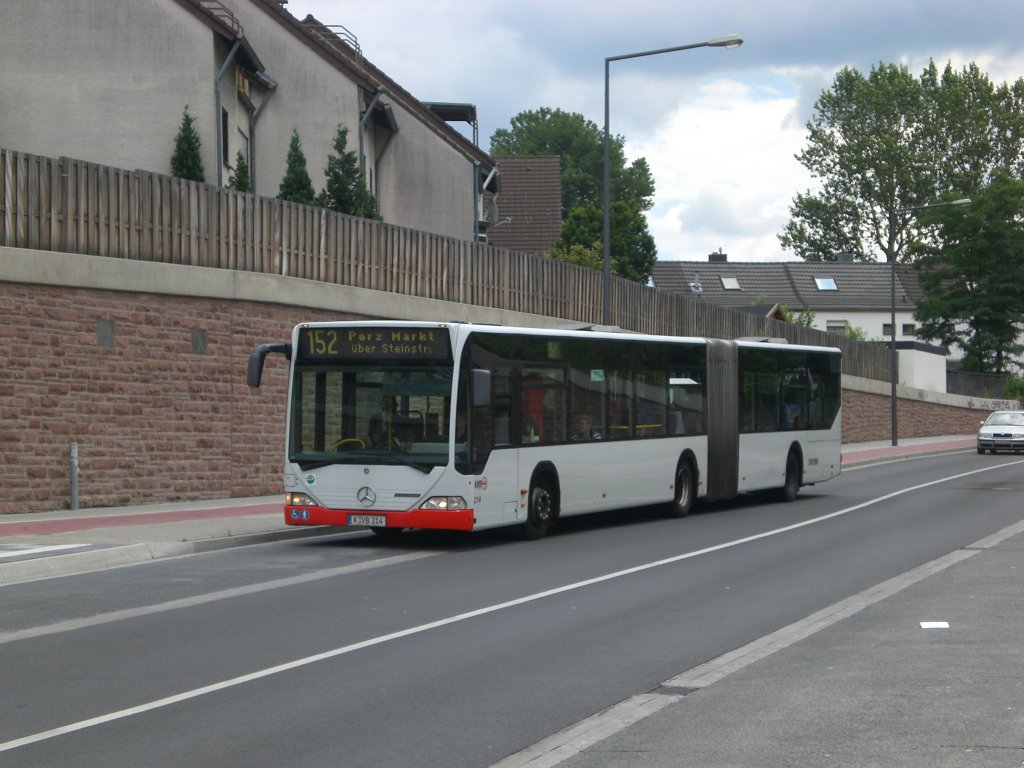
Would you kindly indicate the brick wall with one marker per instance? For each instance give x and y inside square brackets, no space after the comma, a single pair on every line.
[868,417]
[154,420]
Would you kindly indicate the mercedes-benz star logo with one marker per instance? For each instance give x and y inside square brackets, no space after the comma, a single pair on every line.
[366,496]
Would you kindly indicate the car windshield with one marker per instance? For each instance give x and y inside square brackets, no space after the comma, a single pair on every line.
[1005,420]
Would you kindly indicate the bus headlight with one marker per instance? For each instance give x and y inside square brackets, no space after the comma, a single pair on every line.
[300,500]
[444,503]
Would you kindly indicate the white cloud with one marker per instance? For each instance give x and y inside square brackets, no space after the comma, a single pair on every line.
[725,173]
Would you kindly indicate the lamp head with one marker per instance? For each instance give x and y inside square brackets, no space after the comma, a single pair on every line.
[729,41]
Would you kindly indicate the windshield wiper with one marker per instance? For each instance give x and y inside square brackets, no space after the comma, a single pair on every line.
[367,457]
[305,466]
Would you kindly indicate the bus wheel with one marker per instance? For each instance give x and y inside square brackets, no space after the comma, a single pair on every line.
[683,501]
[540,512]
[791,488]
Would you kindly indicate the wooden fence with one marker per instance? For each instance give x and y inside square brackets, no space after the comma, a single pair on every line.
[73,206]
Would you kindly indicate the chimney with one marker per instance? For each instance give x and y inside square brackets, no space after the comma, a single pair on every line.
[844,258]
[718,258]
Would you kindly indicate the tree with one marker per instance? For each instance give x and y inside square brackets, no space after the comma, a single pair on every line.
[239,179]
[345,189]
[580,145]
[187,159]
[974,282]
[633,252]
[296,186]
[889,141]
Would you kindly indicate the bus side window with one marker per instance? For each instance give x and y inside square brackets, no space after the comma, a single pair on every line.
[501,402]
[531,410]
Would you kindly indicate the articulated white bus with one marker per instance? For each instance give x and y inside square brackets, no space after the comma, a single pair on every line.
[394,425]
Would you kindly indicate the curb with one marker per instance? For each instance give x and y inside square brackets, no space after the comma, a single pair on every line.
[883,455]
[77,563]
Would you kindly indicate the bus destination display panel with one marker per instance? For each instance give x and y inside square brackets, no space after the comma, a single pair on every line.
[326,344]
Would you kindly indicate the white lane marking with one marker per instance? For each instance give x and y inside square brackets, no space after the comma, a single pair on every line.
[587,732]
[40,550]
[934,625]
[380,640]
[210,597]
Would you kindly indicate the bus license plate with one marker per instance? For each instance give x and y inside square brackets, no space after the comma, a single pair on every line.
[374,521]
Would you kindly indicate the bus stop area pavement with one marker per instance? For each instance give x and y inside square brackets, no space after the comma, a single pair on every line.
[925,670]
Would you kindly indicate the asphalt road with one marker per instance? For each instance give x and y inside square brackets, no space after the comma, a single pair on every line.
[448,650]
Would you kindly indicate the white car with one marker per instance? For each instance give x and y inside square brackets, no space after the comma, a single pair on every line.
[1002,431]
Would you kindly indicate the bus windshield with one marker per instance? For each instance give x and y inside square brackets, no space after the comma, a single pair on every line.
[395,413]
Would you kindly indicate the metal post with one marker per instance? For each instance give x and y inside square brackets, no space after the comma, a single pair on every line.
[606,316]
[729,41]
[893,359]
[74,477]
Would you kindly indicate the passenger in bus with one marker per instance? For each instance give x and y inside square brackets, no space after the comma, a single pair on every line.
[381,422]
[530,432]
[584,429]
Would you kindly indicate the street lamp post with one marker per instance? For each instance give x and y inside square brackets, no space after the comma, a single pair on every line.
[893,358]
[730,41]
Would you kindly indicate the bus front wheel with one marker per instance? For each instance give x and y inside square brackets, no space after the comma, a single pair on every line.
[540,510]
[682,501]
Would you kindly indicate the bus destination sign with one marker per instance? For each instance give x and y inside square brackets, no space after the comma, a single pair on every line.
[325,344]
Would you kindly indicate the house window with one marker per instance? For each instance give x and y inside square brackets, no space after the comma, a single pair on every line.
[909,329]
[887,330]
[826,284]
[837,326]
[730,283]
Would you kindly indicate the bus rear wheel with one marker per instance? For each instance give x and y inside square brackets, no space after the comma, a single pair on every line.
[682,501]
[789,491]
[540,510]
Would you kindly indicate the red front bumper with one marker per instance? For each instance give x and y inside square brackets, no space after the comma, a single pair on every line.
[446,520]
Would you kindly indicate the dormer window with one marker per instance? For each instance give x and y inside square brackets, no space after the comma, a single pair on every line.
[826,284]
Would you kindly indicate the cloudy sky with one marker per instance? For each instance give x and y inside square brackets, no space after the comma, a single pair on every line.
[718,127]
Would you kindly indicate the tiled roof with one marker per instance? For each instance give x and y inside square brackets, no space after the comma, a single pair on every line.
[859,286]
[529,205]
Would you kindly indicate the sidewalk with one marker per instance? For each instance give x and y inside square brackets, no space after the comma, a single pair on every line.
[47,544]
[41,545]
[922,671]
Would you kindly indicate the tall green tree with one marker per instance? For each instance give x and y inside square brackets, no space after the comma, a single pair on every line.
[974,282]
[579,143]
[633,252]
[887,141]
[187,158]
[239,178]
[296,186]
[345,189]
